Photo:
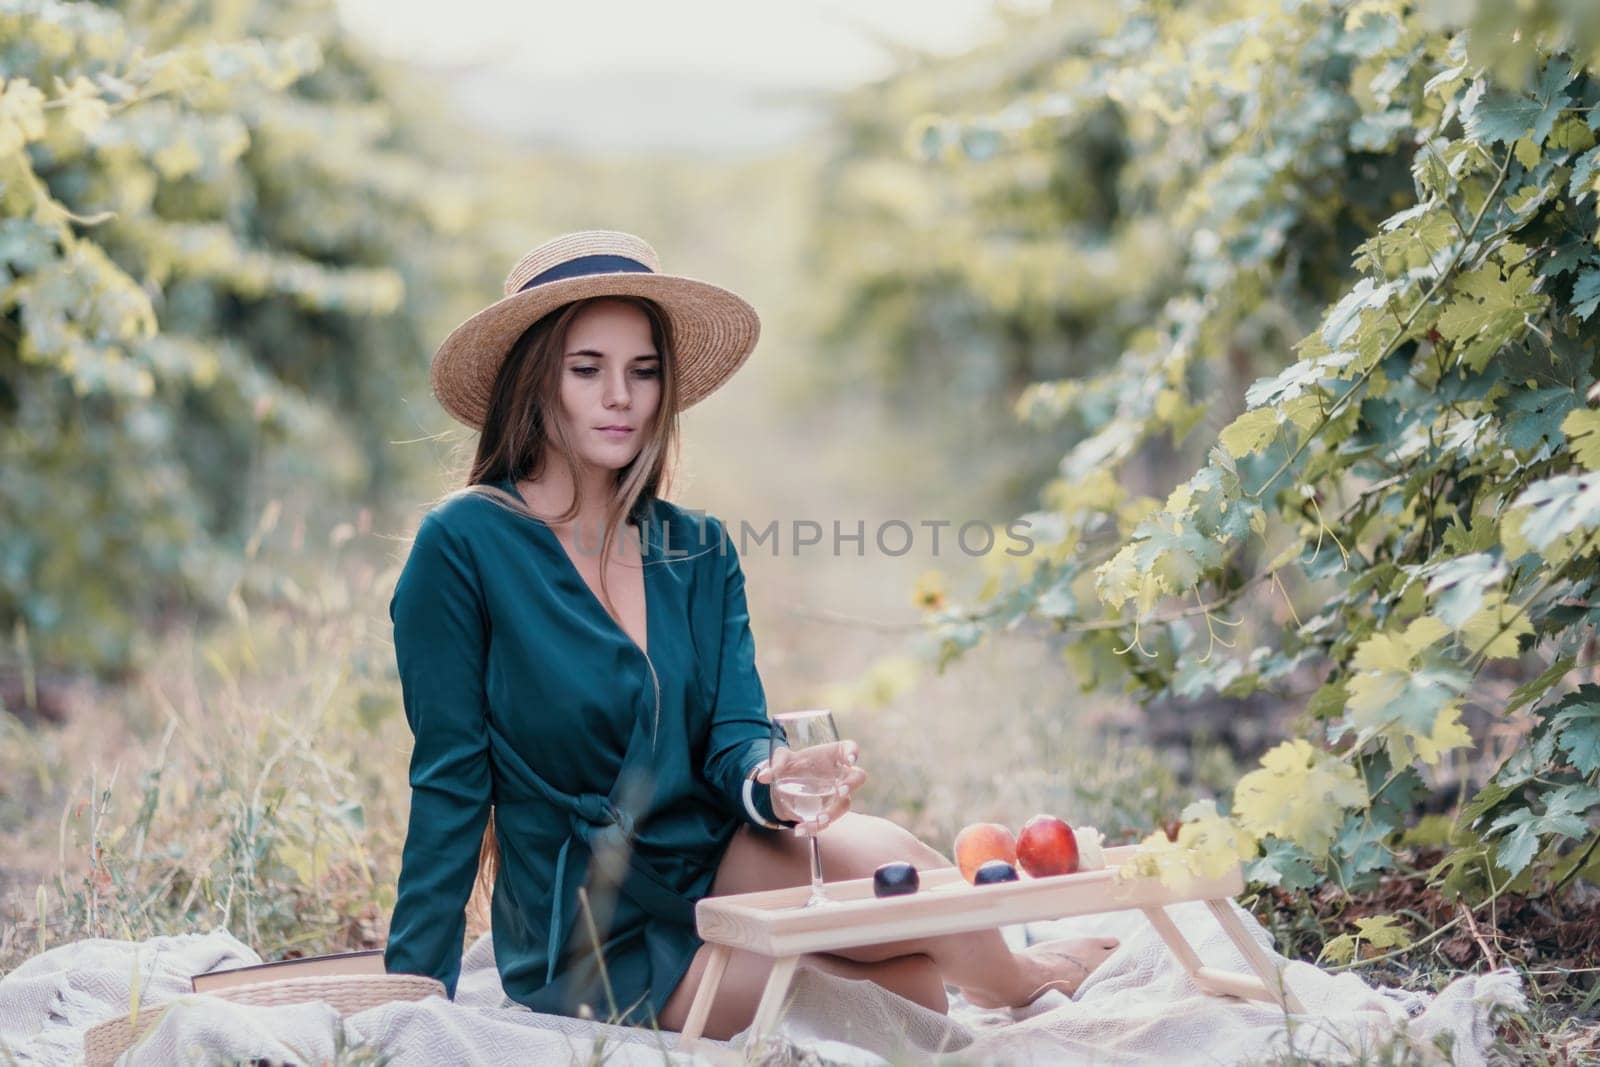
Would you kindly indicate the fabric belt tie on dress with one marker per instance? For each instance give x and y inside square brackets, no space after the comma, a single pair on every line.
[605,830]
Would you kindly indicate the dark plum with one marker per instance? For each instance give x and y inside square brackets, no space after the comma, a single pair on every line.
[994,872]
[895,880]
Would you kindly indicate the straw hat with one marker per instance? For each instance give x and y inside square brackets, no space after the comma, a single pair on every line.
[714,331]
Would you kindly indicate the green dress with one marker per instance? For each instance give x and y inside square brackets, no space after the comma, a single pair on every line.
[612,770]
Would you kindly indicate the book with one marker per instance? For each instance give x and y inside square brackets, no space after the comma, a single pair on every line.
[368,961]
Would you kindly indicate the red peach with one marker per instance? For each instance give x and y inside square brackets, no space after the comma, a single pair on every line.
[1047,846]
[980,842]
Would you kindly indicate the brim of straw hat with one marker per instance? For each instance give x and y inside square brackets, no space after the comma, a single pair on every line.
[714,331]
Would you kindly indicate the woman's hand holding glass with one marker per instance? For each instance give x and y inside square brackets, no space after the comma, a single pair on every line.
[813,784]
[812,774]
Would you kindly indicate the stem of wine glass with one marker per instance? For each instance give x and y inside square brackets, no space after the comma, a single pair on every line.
[817,896]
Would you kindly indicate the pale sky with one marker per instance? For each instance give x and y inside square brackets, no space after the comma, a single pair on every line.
[698,74]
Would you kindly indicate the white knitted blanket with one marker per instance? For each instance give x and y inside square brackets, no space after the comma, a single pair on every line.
[1139,1007]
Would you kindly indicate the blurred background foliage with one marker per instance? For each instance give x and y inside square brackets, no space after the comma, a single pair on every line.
[228,237]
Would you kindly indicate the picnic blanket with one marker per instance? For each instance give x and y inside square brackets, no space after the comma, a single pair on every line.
[1139,1007]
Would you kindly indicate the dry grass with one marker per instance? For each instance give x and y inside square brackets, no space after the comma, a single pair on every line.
[253,779]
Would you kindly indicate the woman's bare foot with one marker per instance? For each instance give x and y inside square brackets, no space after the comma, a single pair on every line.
[1062,964]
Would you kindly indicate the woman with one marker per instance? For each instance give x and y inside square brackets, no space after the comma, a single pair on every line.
[576,660]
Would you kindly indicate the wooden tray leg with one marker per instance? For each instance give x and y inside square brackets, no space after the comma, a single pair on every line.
[1254,955]
[772,997]
[695,1024]
[1173,937]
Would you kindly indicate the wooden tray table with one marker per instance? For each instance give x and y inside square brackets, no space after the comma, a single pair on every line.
[774,924]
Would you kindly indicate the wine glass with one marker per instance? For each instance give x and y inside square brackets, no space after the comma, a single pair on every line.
[811,775]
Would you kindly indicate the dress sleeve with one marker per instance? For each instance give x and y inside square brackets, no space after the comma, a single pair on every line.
[440,646]
[739,724]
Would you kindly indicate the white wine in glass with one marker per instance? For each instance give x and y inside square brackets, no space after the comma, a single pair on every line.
[812,773]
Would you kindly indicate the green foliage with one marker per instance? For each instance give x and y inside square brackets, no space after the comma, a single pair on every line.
[1379,232]
[1377,931]
[219,265]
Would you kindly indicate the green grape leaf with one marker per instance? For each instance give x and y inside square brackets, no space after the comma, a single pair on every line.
[1485,801]
[1343,322]
[1377,931]
[1567,809]
[1553,508]
[1539,413]
[1487,309]
[1581,742]
[1577,727]
[1383,931]
[1361,846]
[1536,688]
[1298,793]
[1291,382]
[1398,800]
[1341,949]
[1328,701]
[1582,427]
[1565,815]
[1572,134]
[1250,432]
[1496,629]
[1586,293]
[1283,864]
[1585,170]
[1528,153]
[1568,256]
[1517,848]
[1460,872]
[1458,585]
[1502,117]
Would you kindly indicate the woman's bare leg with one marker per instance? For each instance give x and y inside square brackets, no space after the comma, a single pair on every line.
[979,963]
[739,993]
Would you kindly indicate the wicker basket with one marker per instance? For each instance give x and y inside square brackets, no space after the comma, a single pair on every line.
[347,993]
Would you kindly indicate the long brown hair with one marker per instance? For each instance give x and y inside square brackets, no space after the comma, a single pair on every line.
[522,433]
